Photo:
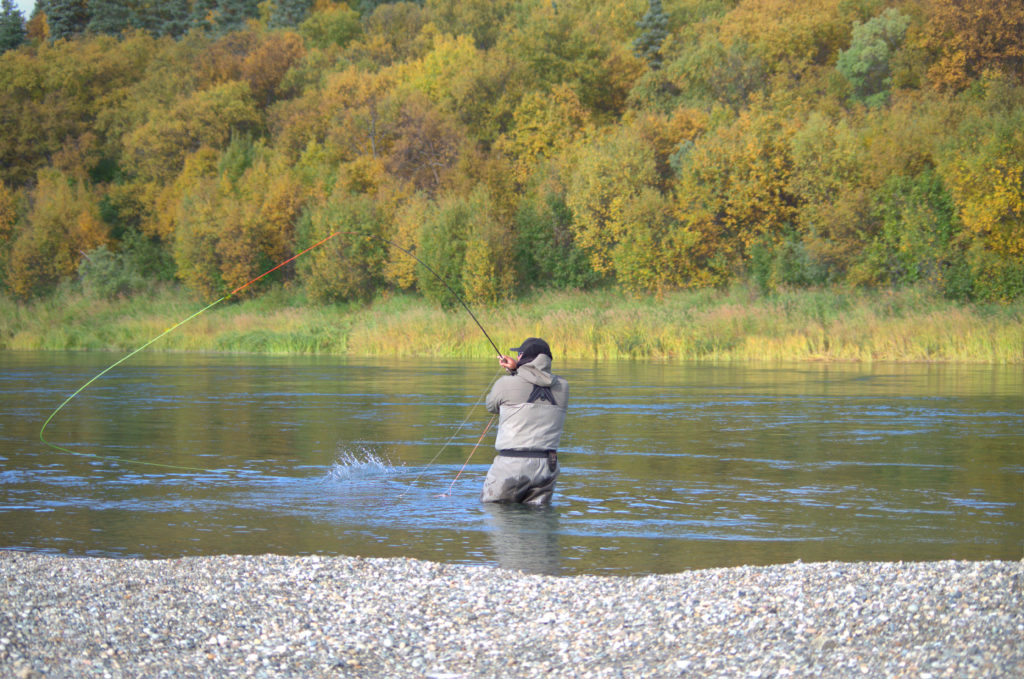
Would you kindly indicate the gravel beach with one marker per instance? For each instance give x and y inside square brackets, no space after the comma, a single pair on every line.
[275,616]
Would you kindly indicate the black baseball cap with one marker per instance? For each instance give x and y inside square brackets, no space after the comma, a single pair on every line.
[533,346]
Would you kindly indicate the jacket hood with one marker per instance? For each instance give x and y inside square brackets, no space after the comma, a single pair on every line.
[538,371]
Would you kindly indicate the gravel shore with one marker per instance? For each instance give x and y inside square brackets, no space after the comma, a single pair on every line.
[274,616]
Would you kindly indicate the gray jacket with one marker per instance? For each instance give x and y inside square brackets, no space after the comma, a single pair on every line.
[523,425]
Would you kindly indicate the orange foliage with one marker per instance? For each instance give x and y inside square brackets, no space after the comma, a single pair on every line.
[972,36]
[62,226]
[265,66]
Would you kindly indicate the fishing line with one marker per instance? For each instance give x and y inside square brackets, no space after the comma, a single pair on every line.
[177,325]
[452,438]
[478,441]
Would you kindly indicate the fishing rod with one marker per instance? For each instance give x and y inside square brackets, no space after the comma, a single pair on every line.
[445,284]
[177,325]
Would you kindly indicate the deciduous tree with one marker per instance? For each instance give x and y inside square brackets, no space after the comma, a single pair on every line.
[972,36]
[63,223]
[866,63]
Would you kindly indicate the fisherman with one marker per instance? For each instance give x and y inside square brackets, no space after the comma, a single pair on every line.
[531,403]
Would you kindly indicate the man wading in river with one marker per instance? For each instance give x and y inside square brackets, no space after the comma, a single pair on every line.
[531,403]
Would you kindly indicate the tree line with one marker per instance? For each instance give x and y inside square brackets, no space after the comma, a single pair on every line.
[513,144]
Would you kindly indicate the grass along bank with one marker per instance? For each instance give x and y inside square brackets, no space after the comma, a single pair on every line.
[732,325]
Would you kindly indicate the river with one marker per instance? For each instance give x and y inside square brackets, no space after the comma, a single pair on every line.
[665,466]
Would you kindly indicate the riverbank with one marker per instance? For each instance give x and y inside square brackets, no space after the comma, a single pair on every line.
[350,617]
[739,324]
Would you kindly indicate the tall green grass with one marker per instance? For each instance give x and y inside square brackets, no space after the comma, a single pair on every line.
[731,325]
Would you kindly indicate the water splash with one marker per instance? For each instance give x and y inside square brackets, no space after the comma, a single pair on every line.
[360,464]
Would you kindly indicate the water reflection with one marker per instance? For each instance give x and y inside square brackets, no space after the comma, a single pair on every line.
[524,538]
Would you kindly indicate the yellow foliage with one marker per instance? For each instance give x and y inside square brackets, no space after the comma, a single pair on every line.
[792,34]
[991,202]
[735,189]
[607,175]
[62,226]
[8,213]
[972,37]
[265,66]
[167,202]
[544,125]
[158,149]
[400,269]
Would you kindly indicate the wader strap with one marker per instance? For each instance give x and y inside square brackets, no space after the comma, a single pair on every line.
[552,460]
[541,392]
[515,452]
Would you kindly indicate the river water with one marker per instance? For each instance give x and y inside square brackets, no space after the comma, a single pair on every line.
[666,466]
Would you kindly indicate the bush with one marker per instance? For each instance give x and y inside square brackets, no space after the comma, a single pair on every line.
[545,252]
[107,274]
[786,263]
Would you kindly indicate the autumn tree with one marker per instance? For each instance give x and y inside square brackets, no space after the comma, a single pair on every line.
[350,265]
[735,191]
[482,20]
[791,36]
[608,175]
[426,145]
[336,25]
[544,125]
[63,223]
[970,37]
[265,66]
[209,117]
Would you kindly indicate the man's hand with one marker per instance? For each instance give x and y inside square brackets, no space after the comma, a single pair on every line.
[508,364]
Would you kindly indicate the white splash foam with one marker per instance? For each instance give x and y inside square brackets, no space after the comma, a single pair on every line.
[359,465]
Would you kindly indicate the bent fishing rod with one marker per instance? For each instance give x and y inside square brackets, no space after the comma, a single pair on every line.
[177,325]
[445,284]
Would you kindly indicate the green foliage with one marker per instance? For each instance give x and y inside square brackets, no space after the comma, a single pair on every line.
[107,274]
[777,264]
[335,26]
[231,15]
[866,64]
[163,17]
[653,31]
[289,13]
[66,18]
[546,253]
[109,16]
[12,26]
[350,265]
[917,221]
[443,246]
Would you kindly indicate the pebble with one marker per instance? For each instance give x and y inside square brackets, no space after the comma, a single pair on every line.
[276,616]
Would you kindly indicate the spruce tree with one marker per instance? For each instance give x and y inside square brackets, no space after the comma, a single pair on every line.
[231,15]
[12,26]
[164,17]
[66,18]
[110,16]
[289,13]
[203,14]
[653,31]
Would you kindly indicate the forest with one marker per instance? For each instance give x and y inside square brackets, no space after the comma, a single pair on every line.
[512,145]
